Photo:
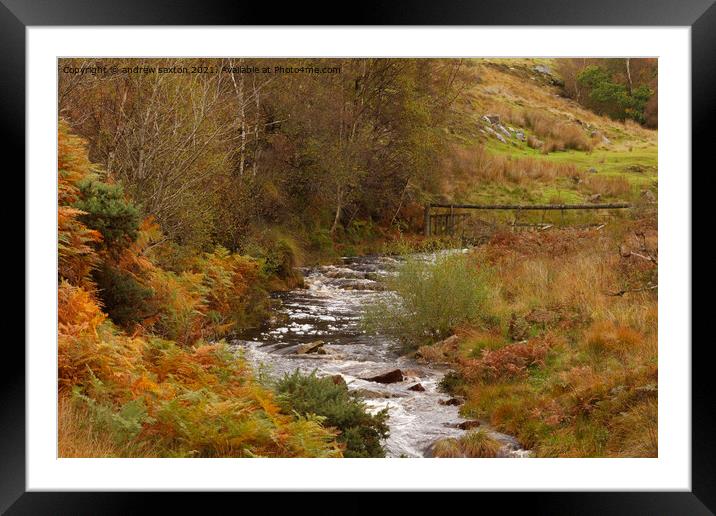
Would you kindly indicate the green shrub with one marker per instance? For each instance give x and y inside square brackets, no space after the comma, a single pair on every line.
[614,98]
[280,256]
[433,299]
[361,432]
[125,300]
[108,212]
[321,242]
[451,383]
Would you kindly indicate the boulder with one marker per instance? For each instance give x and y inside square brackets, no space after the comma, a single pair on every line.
[518,329]
[592,170]
[594,198]
[520,135]
[648,196]
[535,142]
[542,316]
[368,394]
[411,373]
[493,119]
[337,379]
[451,401]
[450,343]
[504,131]
[543,69]
[638,169]
[310,347]
[468,425]
[394,376]
[417,387]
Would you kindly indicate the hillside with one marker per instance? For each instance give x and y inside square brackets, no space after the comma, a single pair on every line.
[513,114]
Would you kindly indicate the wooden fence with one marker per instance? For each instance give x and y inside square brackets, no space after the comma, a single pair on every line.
[453,222]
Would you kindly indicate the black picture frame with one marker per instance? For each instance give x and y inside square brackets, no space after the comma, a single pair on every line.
[17,15]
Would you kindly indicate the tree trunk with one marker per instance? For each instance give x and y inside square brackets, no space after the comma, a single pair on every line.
[628,73]
[337,218]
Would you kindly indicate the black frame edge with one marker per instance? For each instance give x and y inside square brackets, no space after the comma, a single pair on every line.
[700,14]
[367,12]
[703,99]
[12,381]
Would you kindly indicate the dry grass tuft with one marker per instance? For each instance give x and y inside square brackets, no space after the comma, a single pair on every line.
[478,443]
[78,438]
[474,444]
[447,449]
[609,338]
[608,186]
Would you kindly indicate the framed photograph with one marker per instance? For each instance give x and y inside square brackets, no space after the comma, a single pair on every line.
[417,252]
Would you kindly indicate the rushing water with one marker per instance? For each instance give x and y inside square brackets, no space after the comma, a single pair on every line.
[329,309]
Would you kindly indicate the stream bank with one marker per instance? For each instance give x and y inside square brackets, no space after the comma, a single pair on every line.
[329,309]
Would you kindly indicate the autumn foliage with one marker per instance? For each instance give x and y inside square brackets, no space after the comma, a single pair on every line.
[156,387]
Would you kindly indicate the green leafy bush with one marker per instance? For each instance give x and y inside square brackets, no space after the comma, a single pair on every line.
[361,432]
[434,298]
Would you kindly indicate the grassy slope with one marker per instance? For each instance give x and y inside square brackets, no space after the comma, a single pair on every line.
[513,86]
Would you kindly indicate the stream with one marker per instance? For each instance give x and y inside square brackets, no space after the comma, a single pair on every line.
[329,308]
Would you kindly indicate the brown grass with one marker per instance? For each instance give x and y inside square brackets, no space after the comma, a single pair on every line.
[608,186]
[584,381]
[79,437]
[609,338]
[476,163]
[447,449]
[558,134]
[474,444]
[76,435]
[479,444]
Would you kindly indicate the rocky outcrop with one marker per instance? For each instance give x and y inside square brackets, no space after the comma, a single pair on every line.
[417,387]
